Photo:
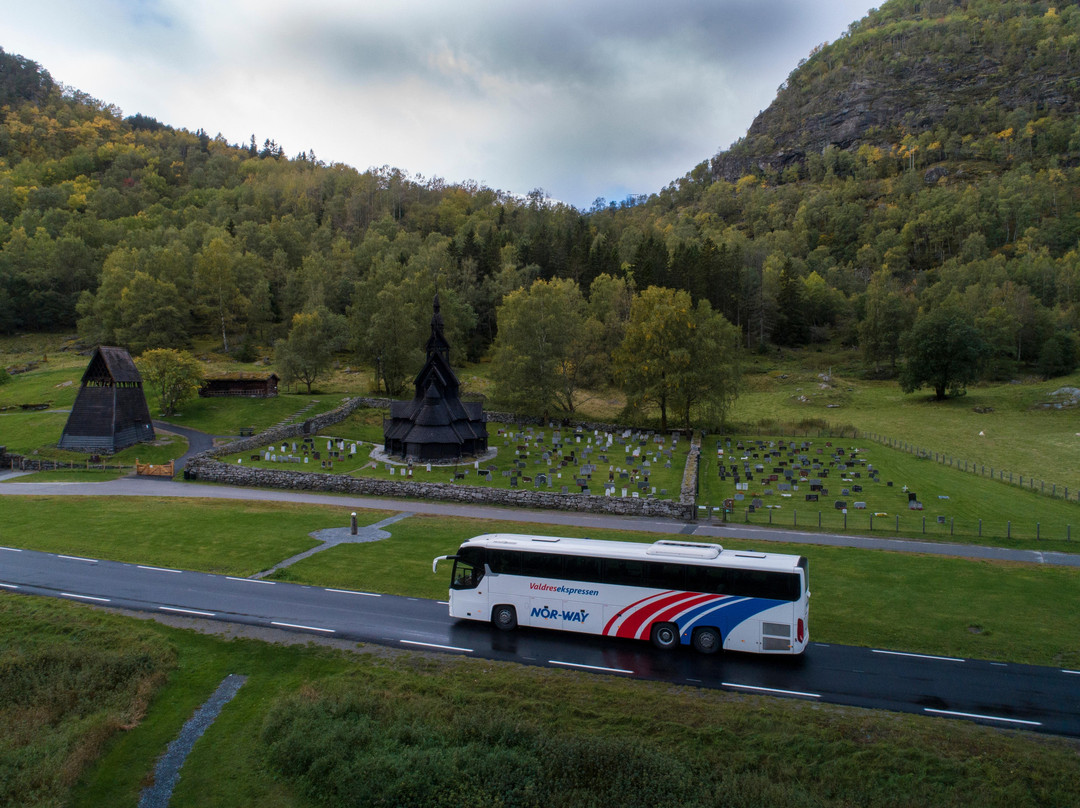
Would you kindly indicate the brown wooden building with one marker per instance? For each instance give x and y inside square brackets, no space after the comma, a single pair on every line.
[110,411]
[245,385]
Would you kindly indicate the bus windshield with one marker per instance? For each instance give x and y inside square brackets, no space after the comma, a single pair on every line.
[468,569]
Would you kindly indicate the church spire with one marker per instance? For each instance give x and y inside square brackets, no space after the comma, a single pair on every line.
[437,343]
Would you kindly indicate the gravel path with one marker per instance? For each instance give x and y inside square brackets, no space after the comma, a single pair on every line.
[167,771]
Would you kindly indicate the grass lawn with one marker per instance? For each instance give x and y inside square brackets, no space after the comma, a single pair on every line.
[315,726]
[206,535]
[995,424]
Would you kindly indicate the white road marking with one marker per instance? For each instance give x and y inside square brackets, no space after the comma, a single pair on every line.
[186,611]
[305,628]
[587,667]
[11,549]
[249,580]
[351,592]
[983,717]
[433,645]
[917,656]
[84,597]
[9,586]
[1074,672]
[158,569]
[773,690]
[78,558]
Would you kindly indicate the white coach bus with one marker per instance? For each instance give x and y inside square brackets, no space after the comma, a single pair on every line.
[670,592]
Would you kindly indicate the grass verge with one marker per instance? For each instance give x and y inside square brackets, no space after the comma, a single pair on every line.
[316,726]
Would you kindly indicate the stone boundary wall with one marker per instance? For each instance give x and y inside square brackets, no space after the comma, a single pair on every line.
[206,467]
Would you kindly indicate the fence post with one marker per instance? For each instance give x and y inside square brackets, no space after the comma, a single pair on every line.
[845,520]
[924,525]
[897,523]
[980,528]
[871,522]
[1037,536]
[1008,529]
[794,517]
[952,524]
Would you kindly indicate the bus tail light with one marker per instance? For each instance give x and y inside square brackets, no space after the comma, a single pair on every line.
[800,630]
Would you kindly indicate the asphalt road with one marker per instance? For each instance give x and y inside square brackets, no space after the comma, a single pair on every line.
[997,694]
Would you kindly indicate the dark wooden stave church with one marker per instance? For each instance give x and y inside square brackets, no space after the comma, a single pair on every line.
[110,411]
[436,426]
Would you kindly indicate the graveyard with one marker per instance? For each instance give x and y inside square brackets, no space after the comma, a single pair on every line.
[861,486]
[622,463]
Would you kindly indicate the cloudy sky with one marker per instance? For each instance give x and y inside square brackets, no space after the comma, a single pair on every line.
[583,99]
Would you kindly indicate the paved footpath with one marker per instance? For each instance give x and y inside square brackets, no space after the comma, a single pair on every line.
[158,487]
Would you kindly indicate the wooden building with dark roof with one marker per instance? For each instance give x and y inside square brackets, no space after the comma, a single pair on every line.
[436,425]
[244,385]
[110,411]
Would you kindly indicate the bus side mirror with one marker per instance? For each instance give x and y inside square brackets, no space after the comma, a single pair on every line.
[435,563]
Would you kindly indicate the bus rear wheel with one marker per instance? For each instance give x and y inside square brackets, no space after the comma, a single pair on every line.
[665,636]
[504,617]
[706,640]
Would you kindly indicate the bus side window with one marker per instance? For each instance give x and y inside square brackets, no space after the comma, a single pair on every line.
[582,568]
[711,580]
[504,562]
[622,572]
[664,576]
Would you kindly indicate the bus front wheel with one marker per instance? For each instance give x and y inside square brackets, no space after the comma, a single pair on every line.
[706,640]
[504,617]
[665,636]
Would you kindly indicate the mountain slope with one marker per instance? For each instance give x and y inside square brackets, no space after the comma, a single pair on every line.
[970,69]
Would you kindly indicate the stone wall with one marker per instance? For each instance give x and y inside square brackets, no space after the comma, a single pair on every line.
[205,466]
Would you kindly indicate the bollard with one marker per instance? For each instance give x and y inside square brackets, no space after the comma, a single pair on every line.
[353,528]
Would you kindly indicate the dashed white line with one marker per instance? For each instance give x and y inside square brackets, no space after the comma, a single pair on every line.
[185,611]
[84,597]
[249,580]
[433,645]
[305,628]
[773,690]
[351,592]
[587,667]
[11,549]
[159,569]
[1000,664]
[983,717]
[78,558]
[917,656]
[9,586]
[1077,673]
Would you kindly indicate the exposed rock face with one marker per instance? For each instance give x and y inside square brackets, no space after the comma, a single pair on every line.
[906,69]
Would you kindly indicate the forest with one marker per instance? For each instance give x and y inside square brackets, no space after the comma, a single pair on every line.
[921,172]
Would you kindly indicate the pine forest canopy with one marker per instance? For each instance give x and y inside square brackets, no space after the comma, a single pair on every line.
[930,157]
